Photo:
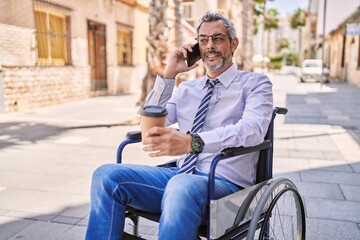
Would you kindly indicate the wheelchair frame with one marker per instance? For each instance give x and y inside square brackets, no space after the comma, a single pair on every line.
[257,202]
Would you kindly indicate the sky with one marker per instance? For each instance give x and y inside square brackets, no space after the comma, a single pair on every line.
[336,10]
[286,7]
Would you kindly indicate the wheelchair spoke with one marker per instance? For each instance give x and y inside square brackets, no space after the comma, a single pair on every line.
[283,221]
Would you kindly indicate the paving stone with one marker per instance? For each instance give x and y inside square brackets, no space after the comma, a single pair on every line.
[324,229]
[41,231]
[293,176]
[330,177]
[65,220]
[307,154]
[17,214]
[74,233]
[330,165]
[10,225]
[76,211]
[40,202]
[320,190]
[3,211]
[356,167]
[351,192]
[340,210]
[291,164]
[83,222]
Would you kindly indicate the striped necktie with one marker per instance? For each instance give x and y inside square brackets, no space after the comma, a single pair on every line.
[190,161]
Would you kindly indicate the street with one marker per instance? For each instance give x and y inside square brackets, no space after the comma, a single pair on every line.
[47,156]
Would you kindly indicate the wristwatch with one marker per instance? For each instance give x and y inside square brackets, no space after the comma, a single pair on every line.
[197,144]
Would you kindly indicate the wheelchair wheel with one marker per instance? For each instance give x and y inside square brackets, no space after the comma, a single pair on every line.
[285,218]
[280,213]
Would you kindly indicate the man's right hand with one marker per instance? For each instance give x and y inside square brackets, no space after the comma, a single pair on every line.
[176,62]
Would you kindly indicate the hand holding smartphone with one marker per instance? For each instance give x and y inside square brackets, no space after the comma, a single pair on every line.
[194,56]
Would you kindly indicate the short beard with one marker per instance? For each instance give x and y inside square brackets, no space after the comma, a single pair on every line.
[218,66]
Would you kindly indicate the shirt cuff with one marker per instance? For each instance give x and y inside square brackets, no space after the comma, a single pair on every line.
[211,141]
[164,85]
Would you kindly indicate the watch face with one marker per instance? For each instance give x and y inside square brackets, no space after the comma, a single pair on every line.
[197,144]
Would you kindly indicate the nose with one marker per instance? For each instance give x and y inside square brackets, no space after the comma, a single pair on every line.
[210,44]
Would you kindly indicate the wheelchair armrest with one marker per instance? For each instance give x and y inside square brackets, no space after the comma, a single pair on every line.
[134,135]
[131,137]
[230,152]
[280,110]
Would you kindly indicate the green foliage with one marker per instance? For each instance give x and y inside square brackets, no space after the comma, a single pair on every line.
[291,58]
[284,43]
[276,57]
[275,61]
[271,19]
[298,19]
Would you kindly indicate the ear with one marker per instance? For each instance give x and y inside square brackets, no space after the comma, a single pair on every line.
[234,44]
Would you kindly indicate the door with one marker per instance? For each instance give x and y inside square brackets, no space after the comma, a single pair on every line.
[97,55]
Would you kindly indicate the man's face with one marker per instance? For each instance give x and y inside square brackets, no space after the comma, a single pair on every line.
[215,47]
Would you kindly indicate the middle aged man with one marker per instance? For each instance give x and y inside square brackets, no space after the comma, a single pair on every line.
[226,108]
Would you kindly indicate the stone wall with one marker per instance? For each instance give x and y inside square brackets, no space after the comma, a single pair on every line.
[17,46]
[28,87]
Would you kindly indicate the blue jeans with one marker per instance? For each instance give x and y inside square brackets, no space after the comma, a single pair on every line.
[181,199]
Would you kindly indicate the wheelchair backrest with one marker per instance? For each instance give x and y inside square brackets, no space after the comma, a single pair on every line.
[265,163]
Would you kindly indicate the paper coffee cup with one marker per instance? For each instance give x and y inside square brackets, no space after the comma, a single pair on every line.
[151,116]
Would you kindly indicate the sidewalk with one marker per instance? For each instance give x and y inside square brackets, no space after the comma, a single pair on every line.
[47,157]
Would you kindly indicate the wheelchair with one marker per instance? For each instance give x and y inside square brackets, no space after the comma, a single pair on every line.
[271,209]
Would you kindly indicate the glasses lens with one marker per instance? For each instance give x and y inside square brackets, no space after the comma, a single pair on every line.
[218,38]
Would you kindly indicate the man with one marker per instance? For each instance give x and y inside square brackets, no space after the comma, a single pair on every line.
[235,112]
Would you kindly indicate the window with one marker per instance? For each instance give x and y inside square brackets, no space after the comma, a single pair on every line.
[53,38]
[187,10]
[124,46]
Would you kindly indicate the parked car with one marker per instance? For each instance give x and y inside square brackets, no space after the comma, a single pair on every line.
[314,69]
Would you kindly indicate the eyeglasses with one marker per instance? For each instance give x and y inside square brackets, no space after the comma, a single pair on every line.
[217,38]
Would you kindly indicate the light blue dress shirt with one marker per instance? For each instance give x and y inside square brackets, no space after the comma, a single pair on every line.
[239,114]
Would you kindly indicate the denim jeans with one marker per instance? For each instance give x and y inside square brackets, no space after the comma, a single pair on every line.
[181,199]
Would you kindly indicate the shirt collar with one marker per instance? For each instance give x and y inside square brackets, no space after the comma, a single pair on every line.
[226,77]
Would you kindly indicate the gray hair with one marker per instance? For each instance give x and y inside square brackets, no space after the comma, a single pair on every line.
[213,17]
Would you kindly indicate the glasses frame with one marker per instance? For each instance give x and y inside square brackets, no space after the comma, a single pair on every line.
[213,38]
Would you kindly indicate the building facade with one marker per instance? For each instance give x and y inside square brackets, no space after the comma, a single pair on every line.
[62,50]
[342,50]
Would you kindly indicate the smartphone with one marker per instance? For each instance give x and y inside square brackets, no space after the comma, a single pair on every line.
[194,56]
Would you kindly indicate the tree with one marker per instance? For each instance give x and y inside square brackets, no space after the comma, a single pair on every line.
[297,21]
[178,26]
[246,51]
[271,21]
[259,13]
[157,45]
[283,44]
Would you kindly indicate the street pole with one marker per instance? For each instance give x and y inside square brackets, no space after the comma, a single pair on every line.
[323,46]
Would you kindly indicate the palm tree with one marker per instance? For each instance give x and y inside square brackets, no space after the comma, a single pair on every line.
[178,26]
[271,21]
[247,29]
[157,45]
[297,21]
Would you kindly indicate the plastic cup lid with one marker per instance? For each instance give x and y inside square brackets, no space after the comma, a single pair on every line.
[153,111]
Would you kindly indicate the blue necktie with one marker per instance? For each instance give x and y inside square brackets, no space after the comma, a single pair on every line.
[190,161]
